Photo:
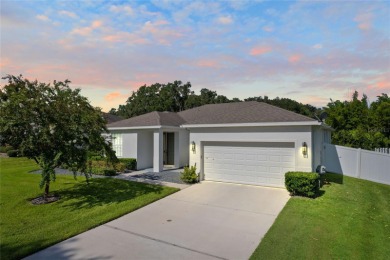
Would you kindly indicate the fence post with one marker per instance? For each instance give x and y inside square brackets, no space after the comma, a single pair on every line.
[358,162]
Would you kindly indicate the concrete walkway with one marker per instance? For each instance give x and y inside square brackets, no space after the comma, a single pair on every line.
[139,176]
[205,221]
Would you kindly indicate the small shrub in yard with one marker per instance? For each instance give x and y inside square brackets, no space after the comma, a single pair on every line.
[109,172]
[5,149]
[120,167]
[13,153]
[188,175]
[302,183]
[96,158]
[98,167]
[130,163]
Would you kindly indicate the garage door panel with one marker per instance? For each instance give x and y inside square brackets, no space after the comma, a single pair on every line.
[249,164]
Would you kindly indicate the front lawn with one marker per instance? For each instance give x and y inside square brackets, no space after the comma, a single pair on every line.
[350,220]
[27,228]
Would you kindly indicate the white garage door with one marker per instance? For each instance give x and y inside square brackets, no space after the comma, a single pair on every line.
[249,163]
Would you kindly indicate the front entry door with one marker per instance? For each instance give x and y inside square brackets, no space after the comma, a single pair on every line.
[169,148]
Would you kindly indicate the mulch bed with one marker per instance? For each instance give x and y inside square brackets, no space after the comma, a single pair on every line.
[42,200]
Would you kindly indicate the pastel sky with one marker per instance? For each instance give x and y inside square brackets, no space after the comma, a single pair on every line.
[309,51]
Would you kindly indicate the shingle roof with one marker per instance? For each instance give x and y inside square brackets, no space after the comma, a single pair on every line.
[240,112]
[151,119]
[111,118]
[226,113]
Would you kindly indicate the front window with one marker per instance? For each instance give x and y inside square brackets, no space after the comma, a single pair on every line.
[117,144]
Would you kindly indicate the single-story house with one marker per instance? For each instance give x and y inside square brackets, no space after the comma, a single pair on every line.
[243,142]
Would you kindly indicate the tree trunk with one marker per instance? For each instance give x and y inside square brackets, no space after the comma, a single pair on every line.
[47,186]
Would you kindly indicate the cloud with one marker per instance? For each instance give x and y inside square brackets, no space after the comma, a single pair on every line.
[160,32]
[114,96]
[68,14]
[317,46]
[294,58]
[125,37]
[364,21]
[268,28]
[225,20]
[43,17]
[207,63]
[260,50]
[84,31]
[126,9]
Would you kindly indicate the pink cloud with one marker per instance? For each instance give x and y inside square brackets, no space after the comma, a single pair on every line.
[207,63]
[260,50]
[225,20]
[126,37]
[84,31]
[96,24]
[114,96]
[380,85]
[294,58]
[364,21]
[43,18]
[67,13]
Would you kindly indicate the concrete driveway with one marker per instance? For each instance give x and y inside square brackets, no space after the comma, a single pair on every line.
[209,220]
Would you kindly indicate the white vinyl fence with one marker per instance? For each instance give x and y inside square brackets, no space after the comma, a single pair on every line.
[358,163]
[382,150]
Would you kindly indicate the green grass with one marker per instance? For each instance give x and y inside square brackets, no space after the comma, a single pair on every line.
[350,220]
[27,228]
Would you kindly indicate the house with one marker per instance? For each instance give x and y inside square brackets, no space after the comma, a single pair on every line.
[243,142]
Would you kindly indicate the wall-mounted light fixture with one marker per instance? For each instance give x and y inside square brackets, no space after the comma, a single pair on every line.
[193,147]
[304,149]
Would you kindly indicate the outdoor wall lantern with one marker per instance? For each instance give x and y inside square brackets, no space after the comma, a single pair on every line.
[193,146]
[304,149]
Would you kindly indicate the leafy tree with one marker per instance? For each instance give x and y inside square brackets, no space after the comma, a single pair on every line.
[156,97]
[207,96]
[358,124]
[289,104]
[176,96]
[52,124]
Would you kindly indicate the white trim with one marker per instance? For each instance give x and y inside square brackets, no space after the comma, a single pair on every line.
[299,123]
[253,124]
[142,127]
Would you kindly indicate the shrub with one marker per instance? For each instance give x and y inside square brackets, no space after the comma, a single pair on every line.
[96,158]
[120,167]
[98,167]
[188,175]
[5,149]
[130,163]
[13,153]
[302,183]
[109,172]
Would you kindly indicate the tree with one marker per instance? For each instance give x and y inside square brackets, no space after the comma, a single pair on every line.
[359,124]
[156,97]
[52,124]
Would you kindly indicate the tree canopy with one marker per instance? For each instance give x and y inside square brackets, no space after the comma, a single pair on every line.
[359,124]
[52,124]
[176,96]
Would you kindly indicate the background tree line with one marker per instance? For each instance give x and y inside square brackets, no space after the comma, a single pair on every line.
[357,122]
[176,97]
